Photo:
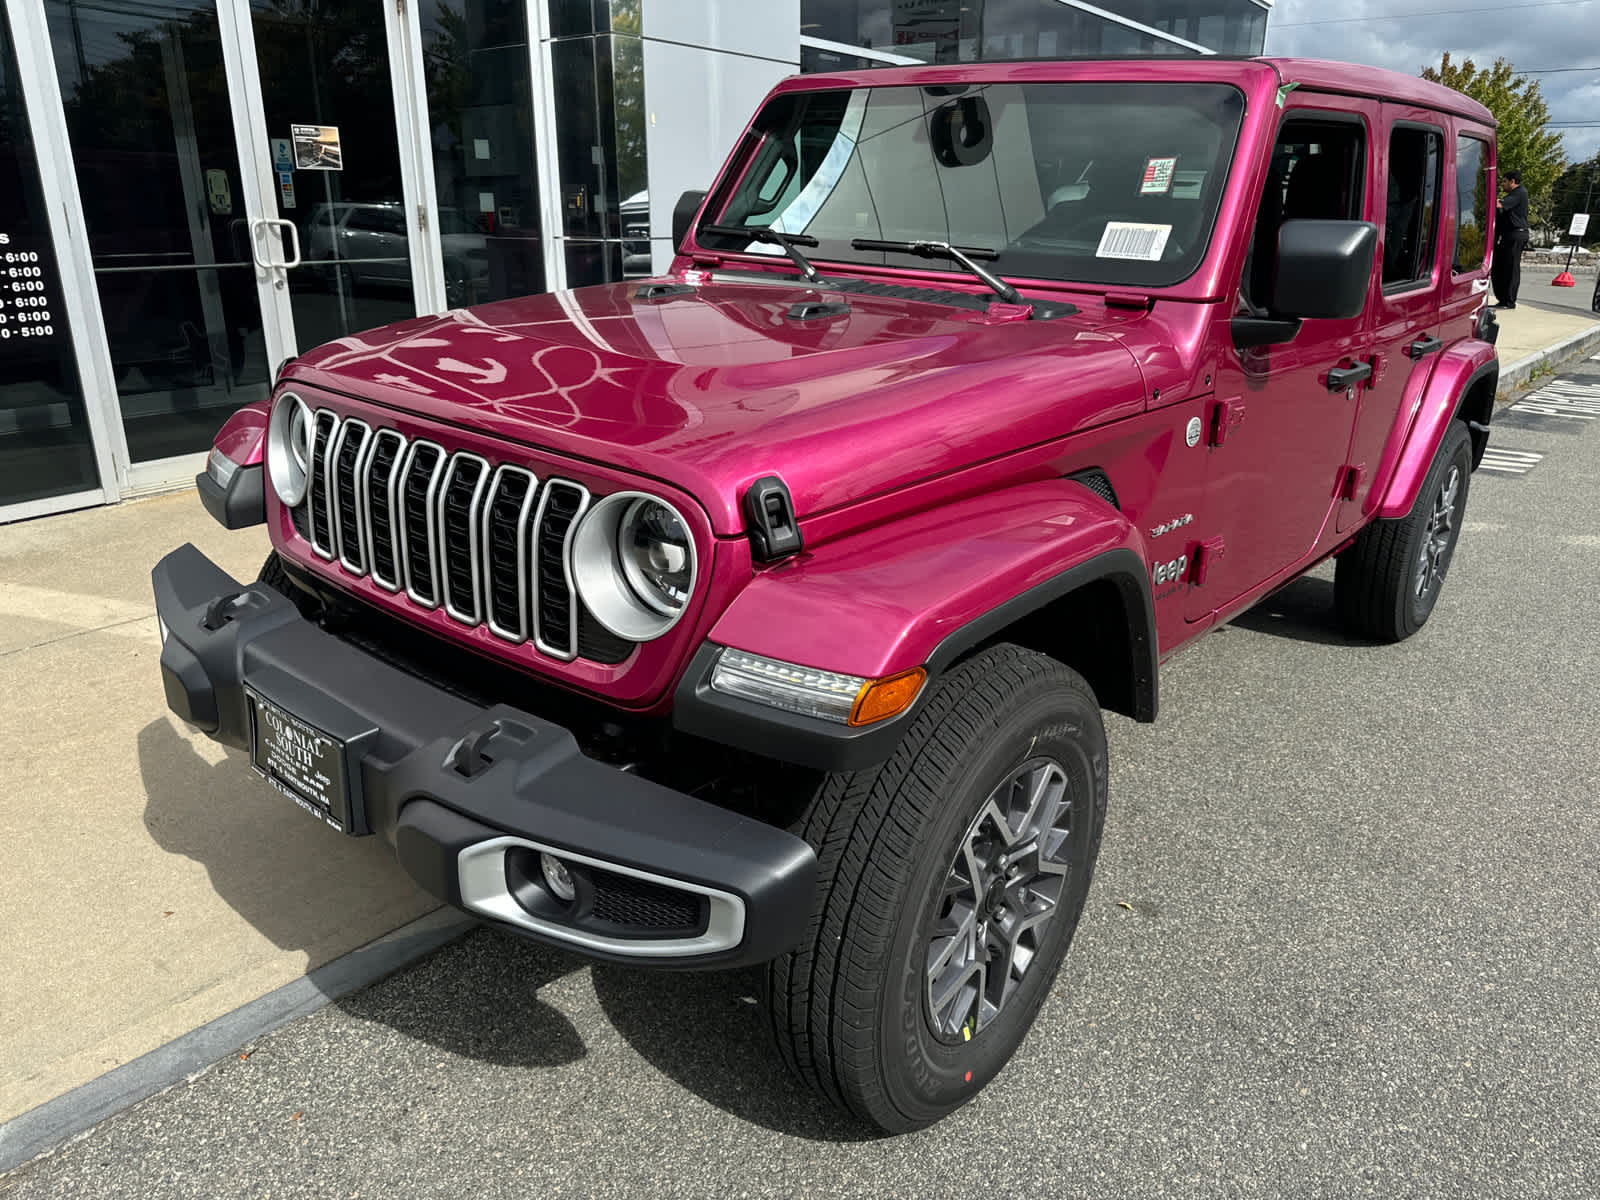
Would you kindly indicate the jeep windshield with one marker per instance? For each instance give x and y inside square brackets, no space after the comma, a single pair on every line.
[1114,183]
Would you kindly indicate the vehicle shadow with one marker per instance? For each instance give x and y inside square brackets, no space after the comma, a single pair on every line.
[284,874]
[707,1031]
[482,1006]
[1301,612]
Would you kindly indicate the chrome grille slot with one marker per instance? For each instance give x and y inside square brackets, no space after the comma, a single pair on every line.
[505,552]
[419,521]
[344,468]
[460,503]
[319,497]
[555,615]
[490,545]
[379,476]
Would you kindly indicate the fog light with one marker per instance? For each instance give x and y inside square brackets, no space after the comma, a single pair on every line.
[557,878]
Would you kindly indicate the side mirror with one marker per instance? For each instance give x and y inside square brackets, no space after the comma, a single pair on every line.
[1324,269]
[683,214]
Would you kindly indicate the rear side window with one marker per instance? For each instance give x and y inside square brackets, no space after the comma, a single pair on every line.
[1472,203]
[1411,227]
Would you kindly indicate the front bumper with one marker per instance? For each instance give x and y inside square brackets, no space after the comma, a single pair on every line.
[469,797]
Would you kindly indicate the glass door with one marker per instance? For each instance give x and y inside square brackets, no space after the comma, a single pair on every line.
[150,126]
[46,448]
[326,118]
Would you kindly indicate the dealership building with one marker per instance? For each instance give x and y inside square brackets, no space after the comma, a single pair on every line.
[192,191]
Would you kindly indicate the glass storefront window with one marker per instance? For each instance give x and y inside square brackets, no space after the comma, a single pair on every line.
[600,119]
[44,432]
[966,30]
[480,113]
[151,131]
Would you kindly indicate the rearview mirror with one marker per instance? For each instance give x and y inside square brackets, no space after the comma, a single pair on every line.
[1324,269]
[683,214]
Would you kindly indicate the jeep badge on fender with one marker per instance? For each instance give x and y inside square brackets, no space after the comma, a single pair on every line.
[765,612]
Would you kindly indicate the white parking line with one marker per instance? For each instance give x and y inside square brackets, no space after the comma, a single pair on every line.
[1509,462]
[1575,401]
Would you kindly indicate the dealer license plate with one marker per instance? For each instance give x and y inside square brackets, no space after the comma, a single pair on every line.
[300,760]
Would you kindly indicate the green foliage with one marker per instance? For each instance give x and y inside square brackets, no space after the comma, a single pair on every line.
[1523,141]
[1579,183]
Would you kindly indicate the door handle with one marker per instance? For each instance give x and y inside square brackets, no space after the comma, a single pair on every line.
[1343,378]
[1423,346]
[260,224]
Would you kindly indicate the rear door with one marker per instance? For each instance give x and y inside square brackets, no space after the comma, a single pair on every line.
[1404,310]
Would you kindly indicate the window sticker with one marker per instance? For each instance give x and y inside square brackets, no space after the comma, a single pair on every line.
[1187,185]
[1157,176]
[1131,240]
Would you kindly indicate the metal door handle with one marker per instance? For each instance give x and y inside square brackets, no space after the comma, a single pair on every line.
[1423,347]
[262,223]
[1342,378]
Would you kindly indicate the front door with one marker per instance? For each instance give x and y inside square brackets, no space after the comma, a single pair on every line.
[215,145]
[1273,479]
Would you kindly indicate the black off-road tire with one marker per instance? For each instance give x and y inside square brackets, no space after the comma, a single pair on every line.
[274,576]
[850,1006]
[1375,582]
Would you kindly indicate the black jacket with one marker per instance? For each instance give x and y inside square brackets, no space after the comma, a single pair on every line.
[1513,221]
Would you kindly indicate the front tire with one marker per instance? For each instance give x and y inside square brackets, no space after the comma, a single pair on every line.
[1386,585]
[951,879]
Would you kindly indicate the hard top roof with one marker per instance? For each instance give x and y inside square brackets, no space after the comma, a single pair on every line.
[1313,74]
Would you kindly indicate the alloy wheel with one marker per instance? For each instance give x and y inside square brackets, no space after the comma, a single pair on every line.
[1433,559]
[1001,892]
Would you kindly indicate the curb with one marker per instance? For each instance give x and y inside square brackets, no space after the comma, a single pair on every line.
[1515,376]
[41,1129]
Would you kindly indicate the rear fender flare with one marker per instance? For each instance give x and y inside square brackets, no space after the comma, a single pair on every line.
[923,591]
[1421,425]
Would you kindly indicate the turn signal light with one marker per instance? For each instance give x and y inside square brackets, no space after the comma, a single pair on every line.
[883,698]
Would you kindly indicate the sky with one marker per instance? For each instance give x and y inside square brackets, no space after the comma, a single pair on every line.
[1531,34]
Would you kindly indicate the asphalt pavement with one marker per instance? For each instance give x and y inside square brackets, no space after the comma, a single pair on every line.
[1342,941]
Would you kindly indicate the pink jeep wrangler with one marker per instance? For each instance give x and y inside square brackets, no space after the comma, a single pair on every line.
[766,611]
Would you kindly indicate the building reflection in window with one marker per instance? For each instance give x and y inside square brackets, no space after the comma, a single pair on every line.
[480,113]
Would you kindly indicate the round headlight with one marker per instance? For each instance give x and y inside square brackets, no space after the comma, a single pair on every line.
[633,563]
[289,448]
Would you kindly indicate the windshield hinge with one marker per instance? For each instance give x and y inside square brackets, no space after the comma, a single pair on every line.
[1136,300]
[422,218]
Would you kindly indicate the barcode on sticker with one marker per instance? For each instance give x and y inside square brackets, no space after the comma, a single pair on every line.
[1125,239]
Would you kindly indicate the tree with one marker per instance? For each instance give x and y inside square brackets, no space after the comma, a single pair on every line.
[1579,184]
[1524,143]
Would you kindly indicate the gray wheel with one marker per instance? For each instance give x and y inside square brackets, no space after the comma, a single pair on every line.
[1385,586]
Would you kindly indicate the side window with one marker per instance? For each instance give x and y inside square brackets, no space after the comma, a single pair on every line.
[1411,225]
[1317,173]
[1472,203]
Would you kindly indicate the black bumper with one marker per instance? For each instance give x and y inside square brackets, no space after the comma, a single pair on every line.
[469,797]
[242,503]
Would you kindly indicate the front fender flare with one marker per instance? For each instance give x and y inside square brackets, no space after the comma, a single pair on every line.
[921,591]
[1421,425]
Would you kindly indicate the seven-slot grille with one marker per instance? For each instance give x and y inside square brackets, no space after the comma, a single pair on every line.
[486,544]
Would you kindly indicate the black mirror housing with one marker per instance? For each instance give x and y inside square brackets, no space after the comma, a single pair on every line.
[683,214]
[1324,269]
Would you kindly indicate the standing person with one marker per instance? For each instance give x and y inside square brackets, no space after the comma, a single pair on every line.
[1510,239]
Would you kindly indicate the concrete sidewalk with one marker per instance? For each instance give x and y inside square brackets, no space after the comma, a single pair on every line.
[1544,331]
[151,883]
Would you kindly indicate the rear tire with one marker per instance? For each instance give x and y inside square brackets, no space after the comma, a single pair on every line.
[914,985]
[1386,585]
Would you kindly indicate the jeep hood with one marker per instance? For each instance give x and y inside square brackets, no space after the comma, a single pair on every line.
[713,389]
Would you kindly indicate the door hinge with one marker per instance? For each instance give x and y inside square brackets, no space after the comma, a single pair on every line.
[1225,415]
[1202,556]
[422,218]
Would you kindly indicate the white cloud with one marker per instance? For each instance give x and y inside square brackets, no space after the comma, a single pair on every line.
[1530,37]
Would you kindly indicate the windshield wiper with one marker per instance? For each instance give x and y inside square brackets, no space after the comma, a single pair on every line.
[773,237]
[961,254]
